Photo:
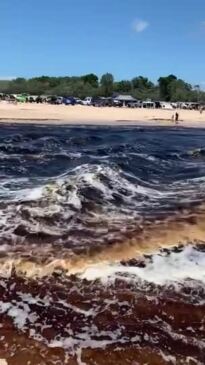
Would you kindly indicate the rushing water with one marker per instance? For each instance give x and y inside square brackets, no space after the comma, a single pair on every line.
[102,245]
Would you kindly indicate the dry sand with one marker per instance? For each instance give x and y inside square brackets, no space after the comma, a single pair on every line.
[91,115]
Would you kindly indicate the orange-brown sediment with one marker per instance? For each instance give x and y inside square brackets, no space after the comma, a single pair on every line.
[43,260]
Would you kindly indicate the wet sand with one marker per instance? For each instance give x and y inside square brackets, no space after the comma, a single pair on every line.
[79,114]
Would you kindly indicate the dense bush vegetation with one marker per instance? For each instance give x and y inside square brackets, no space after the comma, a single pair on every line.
[168,88]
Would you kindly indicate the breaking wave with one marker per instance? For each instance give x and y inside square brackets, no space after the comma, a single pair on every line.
[102,245]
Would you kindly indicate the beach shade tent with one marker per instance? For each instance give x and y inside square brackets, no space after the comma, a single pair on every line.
[124,99]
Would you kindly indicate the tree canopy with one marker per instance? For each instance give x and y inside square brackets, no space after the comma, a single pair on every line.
[107,83]
[168,88]
[164,87]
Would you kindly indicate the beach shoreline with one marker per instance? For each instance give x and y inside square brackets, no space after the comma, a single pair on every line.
[87,115]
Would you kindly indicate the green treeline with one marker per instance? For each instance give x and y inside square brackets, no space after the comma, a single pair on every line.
[168,88]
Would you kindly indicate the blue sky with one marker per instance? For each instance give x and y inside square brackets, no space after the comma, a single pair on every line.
[125,37]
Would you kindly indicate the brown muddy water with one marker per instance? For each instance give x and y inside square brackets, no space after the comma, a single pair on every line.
[102,245]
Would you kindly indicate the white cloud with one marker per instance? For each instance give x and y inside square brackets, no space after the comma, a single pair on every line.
[140,25]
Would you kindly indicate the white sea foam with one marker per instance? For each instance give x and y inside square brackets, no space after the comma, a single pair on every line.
[163,269]
[117,200]
[34,194]
[168,358]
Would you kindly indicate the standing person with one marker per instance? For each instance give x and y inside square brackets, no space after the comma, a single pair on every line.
[201,109]
[176,118]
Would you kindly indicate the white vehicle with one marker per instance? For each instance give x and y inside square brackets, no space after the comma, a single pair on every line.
[87,101]
[184,106]
[175,105]
[166,105]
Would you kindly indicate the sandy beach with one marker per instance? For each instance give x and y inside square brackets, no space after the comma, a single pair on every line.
[90,115]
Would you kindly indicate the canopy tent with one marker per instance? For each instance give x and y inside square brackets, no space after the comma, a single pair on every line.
[124,99]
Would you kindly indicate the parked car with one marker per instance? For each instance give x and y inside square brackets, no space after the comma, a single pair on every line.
[43,99]
[174,105]
[148,104]
[87,101]
[185,106]
[31,98]
[78,101]
[69,100]
[166,105]
[56,100]
[98,101]
[157,105]
[117,103]
[108,102]
[21,98]
[59,100]
[133,104]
